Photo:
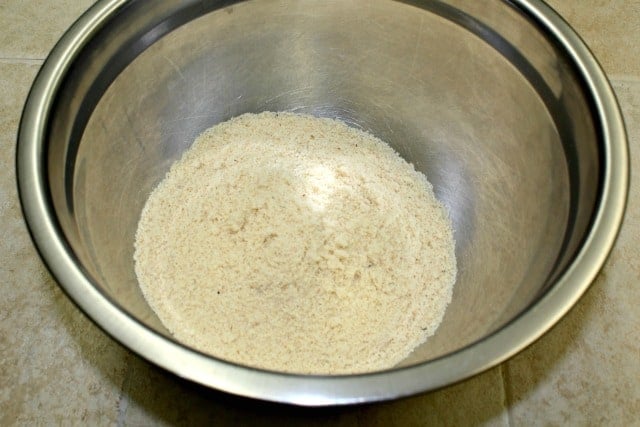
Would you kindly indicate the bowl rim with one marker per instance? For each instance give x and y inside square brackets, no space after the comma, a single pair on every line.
[317,390]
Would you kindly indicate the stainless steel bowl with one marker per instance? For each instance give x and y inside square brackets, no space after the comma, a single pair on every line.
[499,103]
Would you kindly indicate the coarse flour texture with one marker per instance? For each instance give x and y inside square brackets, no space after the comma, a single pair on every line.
[298,244]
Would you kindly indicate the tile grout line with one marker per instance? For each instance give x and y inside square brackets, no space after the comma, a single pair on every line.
[24,61]
[123,398]
[624,78]
[506,395]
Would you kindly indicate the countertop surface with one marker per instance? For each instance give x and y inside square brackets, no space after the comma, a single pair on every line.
[56,367]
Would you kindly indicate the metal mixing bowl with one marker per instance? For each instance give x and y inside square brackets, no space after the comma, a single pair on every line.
[499,103]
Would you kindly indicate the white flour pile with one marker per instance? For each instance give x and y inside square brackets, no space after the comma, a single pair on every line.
[296,244]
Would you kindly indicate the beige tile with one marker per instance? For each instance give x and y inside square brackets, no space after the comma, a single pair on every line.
[56,367]
[586,371]
[611,28]
[30,28]
[154,397]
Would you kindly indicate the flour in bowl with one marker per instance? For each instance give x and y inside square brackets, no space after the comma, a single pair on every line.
[297,244]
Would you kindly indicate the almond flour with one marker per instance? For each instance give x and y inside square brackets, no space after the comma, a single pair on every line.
[297,244]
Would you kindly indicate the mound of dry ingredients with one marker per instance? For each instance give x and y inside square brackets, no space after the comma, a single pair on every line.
[297,244]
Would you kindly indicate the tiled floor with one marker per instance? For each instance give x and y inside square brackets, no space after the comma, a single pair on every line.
[56,367]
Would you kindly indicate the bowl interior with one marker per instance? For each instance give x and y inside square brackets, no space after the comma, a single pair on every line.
[474,96]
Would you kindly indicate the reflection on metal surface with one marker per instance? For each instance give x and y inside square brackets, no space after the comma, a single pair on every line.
[498,103]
